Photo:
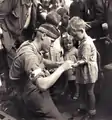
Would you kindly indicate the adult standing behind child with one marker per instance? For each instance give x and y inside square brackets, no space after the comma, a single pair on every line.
[86,67]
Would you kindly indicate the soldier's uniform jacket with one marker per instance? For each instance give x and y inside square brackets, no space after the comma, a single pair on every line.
[13,15]
[27,60]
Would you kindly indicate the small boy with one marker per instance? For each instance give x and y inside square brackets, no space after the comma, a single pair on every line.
[86,66]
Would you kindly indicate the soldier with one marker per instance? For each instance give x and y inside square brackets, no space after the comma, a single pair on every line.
[30,77]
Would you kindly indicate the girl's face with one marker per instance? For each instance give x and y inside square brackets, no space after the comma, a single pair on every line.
[68,42]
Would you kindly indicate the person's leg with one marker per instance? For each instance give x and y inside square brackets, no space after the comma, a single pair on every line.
[71,86]
[91,102]
[41,104]
[82,96]
[82,109]
[75,97]
[91,98]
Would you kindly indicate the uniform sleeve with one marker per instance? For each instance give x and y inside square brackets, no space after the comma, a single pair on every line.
[5,7]
[31,62]
[32,67]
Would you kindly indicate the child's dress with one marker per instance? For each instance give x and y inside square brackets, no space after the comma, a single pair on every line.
[71,55]
[88,72]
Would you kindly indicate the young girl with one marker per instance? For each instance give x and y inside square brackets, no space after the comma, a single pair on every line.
[86,66]
[70,53]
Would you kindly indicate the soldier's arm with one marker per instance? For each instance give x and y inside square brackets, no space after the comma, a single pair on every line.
[51,64]
[36,72]
[45,83]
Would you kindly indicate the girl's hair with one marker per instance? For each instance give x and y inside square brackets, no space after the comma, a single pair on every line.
[65,37]
[77,23]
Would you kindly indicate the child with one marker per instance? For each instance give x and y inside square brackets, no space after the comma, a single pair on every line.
[70,53]
[87,69]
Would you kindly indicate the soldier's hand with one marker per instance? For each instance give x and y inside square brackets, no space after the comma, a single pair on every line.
[67,65]
[75,65]
[59,63]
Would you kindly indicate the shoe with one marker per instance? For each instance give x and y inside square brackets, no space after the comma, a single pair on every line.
[108,67]
[75,97]
[88,117]
[79,112]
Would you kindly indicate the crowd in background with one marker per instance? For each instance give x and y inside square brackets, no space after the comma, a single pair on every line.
[23,21]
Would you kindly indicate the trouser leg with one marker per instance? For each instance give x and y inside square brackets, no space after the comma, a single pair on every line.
[41,104]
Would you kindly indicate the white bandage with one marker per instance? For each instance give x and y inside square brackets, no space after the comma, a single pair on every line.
[34,75]
[35,72]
